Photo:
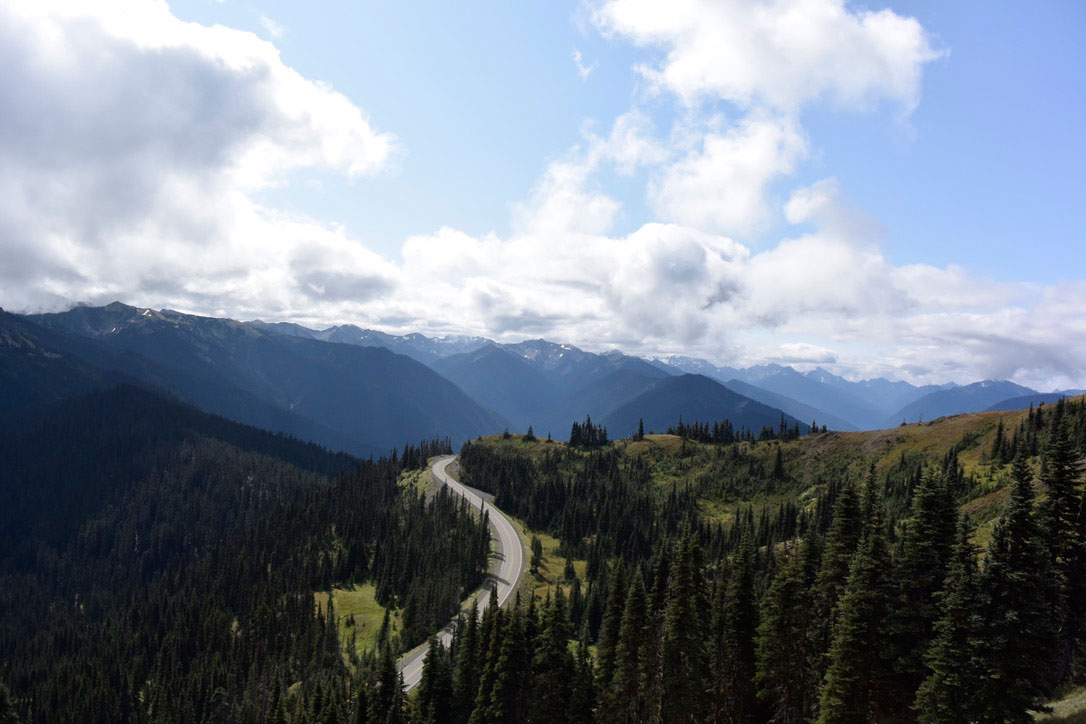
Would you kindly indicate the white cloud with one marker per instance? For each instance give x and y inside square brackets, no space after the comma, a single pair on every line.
[808,203]
[670,289]
[777,53]
[721,185]
[568,197]
[803,353]
[583,70]
[130,145]
[274,29]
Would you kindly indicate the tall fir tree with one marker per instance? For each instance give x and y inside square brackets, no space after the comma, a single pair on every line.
[781,670]
[1019,635]
[684,659]
[1065,539]
[553,666]
[491,630]
[622,699]
[466,672]
[740,623]
[387,702]
[609,628]
[435,692]
[582,704]
[926,548]
[950,693]
[857,686]
[509,696]
[838,549]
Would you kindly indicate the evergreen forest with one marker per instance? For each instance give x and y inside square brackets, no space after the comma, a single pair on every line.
[160,565]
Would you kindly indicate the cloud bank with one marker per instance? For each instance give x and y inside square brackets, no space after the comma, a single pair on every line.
[133,146]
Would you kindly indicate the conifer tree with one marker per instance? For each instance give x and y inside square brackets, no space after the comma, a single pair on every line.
[651,667]
[1065,539]
[508,699]
[949,694]
[838,549]
[387,702]
[553,666]
[361,713]
[491,631]
[684,660]
[999,443]
[857,684]
[781,646]
[435,690]
[582,702]
[537,555]
[569,572]
[609,628]
[467,650]
[926,548]
[740,619]
[1019,636]
[622,698]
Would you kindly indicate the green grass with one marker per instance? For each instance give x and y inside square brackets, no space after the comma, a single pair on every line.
[419,480]
[1071,709]
[551,568]
[359,605]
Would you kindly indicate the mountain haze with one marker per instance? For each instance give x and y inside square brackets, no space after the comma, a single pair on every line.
[362,399]
[956,400]
[693,397]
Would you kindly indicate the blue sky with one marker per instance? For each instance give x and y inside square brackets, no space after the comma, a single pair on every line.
[987,172]
[886,189]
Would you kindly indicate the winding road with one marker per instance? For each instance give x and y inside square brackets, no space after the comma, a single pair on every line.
[509,564]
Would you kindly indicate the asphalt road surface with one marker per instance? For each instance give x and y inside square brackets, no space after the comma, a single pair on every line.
[508,554]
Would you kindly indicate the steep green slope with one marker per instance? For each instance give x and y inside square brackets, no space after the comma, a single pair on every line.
[157,564]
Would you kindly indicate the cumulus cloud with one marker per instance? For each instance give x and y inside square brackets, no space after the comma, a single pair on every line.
[666,288]
[771,58]
[568,196]
[130,147]
[777,53]
[720,185]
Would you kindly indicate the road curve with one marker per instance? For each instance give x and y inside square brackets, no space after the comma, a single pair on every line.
[509,553]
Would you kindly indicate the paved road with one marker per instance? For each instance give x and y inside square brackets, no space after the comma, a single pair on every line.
[509,554]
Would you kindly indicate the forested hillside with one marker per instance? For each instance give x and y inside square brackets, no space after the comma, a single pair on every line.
[929,573]
[158,564]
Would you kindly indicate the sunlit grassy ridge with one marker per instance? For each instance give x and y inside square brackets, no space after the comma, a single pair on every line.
[730,478]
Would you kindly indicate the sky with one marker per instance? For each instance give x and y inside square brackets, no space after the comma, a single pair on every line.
[882,190]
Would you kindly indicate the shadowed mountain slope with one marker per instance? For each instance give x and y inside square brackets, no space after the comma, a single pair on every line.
[693,397]
[363,399]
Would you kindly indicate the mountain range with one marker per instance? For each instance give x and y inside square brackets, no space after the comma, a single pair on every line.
[363,400]
[365,391]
